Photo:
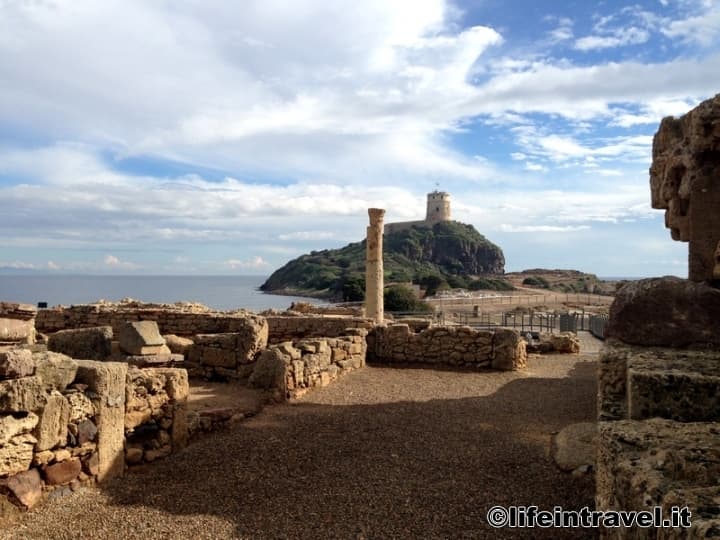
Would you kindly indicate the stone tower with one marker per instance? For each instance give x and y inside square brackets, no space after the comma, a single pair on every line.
[438,207]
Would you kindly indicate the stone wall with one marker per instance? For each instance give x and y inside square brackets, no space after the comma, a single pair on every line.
[17,323]
[64,422]
[229,355]
[449,345]
[170,321]
[294,368]
[287,328]
[659,434]
[155,422]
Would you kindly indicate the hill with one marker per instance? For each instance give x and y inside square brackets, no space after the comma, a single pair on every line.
[567,281]
[447,254]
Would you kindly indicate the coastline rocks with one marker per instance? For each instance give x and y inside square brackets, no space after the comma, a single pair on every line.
[666,312]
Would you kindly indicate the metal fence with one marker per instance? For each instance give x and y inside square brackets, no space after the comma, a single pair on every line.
[597,326]
[519,300]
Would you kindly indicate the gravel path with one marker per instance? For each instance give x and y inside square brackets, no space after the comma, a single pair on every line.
[381,453]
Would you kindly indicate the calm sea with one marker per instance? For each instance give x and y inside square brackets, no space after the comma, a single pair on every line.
[219,292]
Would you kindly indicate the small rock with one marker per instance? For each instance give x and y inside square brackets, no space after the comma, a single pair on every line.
[25,487]
[63,472]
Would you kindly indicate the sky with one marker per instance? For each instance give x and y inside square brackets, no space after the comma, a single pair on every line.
[223,137]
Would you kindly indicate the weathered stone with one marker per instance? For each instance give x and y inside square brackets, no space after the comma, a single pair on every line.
[16,455]
[666,312]
[107,380]
[55,370]
[24,487]
[134,455]
[575,445]
[87,431]
[26,394]
[62,454]
[83,343]
[43,458]
[16,363]
[509,352]
[141,337]
[51,430]
[15,424]
[685,181]
[660,463]
[63,472]
[81,407]
[177,344]
[17,331]
[269,370]
[91,464]
[374,266]
[565,342]
[158,359]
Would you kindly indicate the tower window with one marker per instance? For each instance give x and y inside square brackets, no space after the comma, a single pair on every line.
[437,208]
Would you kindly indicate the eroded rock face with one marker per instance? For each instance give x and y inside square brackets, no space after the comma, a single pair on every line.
[16,363]
[666,312]
[685,181]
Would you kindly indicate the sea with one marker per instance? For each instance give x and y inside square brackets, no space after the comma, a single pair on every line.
[218,292]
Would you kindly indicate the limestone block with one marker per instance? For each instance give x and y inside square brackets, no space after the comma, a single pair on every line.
[641,464]
[55,370]
[612,380]
[674,384]
[140,337]
[509,351]
[84,343]
[565,342]
[16,363]
[16,455]
[176,344]
[665,312]
[17,331]
[15,424]
[26,394]
[269,370]
[107,381]
[51,430]
[63,472]
[24,488]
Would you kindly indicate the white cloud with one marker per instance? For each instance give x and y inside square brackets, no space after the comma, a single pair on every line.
[113,262]
[619,38]
[541,228]
[307,235]
[703,29]
[255,263]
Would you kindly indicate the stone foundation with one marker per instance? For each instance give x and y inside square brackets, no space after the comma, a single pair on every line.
[294,368]
[66,422]
[449,345]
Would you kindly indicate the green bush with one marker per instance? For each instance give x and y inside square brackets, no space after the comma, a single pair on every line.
[536,281]
[402,298]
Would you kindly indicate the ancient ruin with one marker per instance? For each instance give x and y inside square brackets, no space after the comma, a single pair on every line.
[374,280]
[685,181]
[659,373]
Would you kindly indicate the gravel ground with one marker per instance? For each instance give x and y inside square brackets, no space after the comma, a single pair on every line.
[381,453]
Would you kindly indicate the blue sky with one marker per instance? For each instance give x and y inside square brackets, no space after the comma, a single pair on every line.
[216,137]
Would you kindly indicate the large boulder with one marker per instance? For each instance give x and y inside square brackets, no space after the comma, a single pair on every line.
[16,455]
[22,395]
[177,344]
[141,337]
[16,363]
[575,445]
[509,350]
[666,312]
[12,425]
[83,343]
[17,322]
[56,370]
[24,488]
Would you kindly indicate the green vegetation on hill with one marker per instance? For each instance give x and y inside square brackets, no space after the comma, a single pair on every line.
[447,255]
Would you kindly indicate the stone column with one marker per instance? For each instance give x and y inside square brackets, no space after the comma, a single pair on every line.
[374,285]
